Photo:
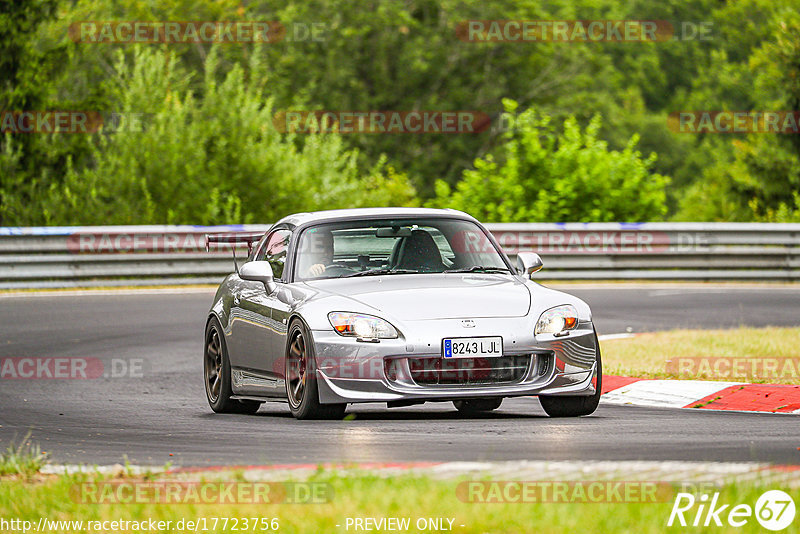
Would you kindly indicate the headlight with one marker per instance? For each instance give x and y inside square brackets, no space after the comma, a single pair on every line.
[361,325]
[557,320]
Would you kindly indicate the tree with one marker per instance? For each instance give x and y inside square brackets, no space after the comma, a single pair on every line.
[26,84]
[209,160]
[759,177]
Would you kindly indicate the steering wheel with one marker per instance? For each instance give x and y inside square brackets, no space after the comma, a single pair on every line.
[335,270]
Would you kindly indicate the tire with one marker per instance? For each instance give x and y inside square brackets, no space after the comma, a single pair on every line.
[472,406]
[302,391]
[575,406]
[217,374]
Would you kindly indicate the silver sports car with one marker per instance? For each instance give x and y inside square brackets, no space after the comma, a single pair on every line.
[395,305]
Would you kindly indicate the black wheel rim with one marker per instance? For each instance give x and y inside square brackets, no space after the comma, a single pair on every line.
[296,370]
[213,365]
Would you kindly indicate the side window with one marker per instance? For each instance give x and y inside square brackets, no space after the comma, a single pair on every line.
[258,249]
[274,251]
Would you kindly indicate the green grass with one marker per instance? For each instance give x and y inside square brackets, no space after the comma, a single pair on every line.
[361,495]
[647,355]
[24,459]
[26,495]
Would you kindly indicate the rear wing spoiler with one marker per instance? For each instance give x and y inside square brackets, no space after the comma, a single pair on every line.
[234,239]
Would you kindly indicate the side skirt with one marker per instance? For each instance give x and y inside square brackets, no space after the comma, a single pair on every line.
[257,399]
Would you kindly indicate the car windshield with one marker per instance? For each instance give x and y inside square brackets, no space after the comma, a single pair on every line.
[395,246]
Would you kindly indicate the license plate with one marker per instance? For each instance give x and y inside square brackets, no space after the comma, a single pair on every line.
[472,347]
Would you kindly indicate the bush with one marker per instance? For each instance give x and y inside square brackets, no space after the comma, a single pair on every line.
[551,175]
[211,158]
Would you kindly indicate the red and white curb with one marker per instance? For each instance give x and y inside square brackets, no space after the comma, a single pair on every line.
[701,394]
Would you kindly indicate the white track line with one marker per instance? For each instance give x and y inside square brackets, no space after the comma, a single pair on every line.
[106,292]
[652,471]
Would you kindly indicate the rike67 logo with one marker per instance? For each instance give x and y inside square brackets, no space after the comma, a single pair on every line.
[774,510]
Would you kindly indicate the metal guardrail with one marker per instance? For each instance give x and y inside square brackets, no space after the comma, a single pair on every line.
[40,257]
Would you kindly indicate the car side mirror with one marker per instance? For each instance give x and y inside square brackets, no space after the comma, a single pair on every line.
[528,263]
[259,271]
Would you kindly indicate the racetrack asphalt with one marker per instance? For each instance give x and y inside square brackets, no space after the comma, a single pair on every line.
[163,416]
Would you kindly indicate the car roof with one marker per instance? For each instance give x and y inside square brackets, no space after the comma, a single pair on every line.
[303,219]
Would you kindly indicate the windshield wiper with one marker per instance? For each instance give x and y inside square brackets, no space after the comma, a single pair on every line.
[375,272]
[479,268]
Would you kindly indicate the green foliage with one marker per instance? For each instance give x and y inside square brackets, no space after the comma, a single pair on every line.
[758,177]
[785,213]
[24,459]
[552,175]
[26,84]
[208,154]
[211,159]
[360,492]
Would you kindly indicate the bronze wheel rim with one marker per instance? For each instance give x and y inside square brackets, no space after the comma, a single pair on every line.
[296,370]
[213,365]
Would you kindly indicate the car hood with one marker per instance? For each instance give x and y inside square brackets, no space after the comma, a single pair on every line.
[434,296]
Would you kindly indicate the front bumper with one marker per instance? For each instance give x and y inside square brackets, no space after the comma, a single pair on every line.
[392,370]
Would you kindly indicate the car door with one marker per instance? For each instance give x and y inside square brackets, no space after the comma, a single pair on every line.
[254,328]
